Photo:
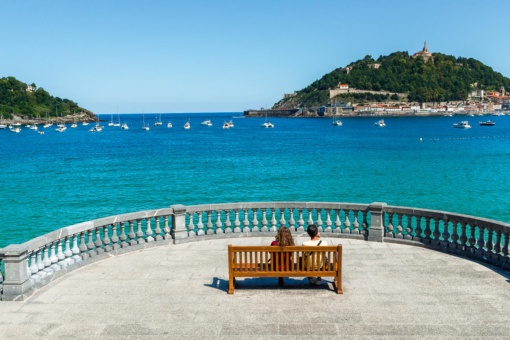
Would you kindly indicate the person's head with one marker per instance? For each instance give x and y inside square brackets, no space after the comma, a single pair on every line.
[284,237]
[312,230]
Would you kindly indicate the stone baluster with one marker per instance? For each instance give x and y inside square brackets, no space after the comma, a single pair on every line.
[436,232]
[219,223]
[505,246]
[418,231]
[389,227]
[497,245]
[246,222]
[106,238]
[227,224]
[115,237]
[463,236]
[328,221]
[209,223]
[347,223]
[399,227]
[427,232]
[123,237]
[47,261]
[310,219]
[166,229]
[191,225]
[200,225]
[273,220]
[337,222]
[132,234]
[148,231]
[301,222]
[292,222]
[455,234]
[53,256]
[481,240]
[446,233]
[68,253]
[236,222]
[409,227]
[98,243]
[364,224]
[282,221]
[157,231]
[489,245]
[139,232]
[264,220]
[75,249]
[40,263]
[60,254]
[255,222]
[472,239]
[355,224]
[318,223]
[33,263]
[90,244]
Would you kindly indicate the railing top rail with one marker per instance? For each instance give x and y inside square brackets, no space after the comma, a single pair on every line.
[74,229]
[450,216]
[276,205]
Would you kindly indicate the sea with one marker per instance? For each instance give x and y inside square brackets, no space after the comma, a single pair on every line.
[52,180]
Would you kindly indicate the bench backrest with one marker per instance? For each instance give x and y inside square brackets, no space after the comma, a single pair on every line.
[300,260]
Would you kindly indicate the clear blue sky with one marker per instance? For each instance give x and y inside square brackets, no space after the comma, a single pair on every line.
[203,56]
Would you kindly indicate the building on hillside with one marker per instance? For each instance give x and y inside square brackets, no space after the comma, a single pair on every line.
[425,54]
[30,88]
[374,65]
[288,95]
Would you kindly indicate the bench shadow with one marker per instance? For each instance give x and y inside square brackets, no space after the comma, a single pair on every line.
[269,283]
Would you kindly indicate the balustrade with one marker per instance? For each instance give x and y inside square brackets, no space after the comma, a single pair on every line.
[38,261]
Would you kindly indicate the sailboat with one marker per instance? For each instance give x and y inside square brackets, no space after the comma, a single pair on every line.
[158,121]
[145,127]
[336,122]
[118,123]
[267,124]
[61,127]
[111,123]
[48,124]
[187,126]
[74,125]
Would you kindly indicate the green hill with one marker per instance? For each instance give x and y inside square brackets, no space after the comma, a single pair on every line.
[30,102]
[441,78]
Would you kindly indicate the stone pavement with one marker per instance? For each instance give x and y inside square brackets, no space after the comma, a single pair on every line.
[391,291]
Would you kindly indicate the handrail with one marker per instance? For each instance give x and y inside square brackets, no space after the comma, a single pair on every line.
[34,263]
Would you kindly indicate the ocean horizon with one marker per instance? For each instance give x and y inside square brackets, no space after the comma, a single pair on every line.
[58,179]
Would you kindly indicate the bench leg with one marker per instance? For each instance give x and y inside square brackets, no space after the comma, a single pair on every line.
[231,284]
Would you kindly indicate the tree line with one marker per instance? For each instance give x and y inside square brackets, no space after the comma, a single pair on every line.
[15,99]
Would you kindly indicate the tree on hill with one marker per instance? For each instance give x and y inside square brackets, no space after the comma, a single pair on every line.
[32,102]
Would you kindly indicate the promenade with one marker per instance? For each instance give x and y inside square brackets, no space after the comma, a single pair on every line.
[391,291]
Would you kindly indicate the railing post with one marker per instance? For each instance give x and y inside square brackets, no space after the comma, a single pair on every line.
[179,232]
[376,231]
[16,285]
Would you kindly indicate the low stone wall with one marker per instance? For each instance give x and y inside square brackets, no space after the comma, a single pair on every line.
[35,263]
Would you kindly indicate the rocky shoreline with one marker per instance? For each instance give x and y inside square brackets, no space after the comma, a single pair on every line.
[78,118]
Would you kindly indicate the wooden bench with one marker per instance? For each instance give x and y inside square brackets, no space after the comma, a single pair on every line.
[271,261]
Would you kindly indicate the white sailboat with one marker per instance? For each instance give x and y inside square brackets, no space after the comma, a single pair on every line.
[187,126]
[118,122]
[48,124]
[266,124]
[74,125]
[145,127]
[158,121]
[336,122]
[111,123]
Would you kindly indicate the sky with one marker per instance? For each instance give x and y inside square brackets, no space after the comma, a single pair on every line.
[226,55]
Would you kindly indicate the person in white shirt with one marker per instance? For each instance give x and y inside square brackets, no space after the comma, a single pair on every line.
[315,240]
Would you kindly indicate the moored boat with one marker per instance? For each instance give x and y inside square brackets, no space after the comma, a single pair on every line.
[462,125]
[487,123]
[380,123]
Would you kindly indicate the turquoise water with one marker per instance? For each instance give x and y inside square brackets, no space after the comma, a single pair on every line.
[53,180]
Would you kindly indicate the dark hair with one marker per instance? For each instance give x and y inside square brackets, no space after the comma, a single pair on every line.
[312,230]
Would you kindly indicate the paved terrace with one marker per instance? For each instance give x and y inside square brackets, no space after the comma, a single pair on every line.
[180,291]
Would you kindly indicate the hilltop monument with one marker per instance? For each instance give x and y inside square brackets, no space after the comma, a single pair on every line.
[425,54]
